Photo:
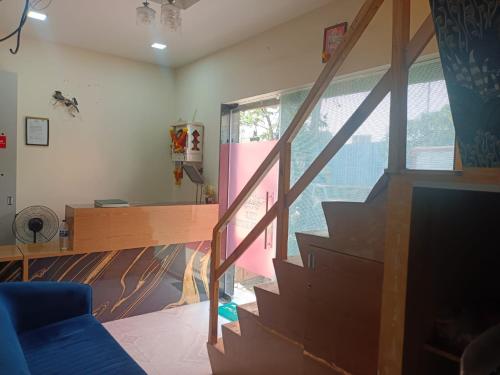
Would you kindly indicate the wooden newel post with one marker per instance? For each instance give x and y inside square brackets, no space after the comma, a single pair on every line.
[214,288]
[399,90]
[283,208]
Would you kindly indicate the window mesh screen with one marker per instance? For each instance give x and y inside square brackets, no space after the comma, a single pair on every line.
[431,135]
[351,174]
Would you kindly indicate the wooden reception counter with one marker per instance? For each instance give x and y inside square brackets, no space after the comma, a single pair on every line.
[137,259]
[96,229]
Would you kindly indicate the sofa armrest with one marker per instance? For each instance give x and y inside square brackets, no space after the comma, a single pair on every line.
[37,304]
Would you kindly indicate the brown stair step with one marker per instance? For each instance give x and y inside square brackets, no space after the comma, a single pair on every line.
[219,361]
[220,345]
[248,309]
[231,336]
[233,327]
[281,313]
[290,276]
[312,238]
[262,351]
[269,287]
[248,314]
[345,243]
[295,260]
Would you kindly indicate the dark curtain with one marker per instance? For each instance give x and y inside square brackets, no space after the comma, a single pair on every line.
[468,33]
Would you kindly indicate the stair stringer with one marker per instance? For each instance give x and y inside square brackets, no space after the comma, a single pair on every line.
[281,305]
[326,312]
[358,228]
[259,350]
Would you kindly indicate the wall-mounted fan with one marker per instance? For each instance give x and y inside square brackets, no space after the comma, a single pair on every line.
[35,224]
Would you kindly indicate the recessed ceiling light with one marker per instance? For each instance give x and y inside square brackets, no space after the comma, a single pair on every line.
[158,46]
[37,16]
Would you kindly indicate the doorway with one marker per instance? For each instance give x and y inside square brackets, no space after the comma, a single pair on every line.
[248,134]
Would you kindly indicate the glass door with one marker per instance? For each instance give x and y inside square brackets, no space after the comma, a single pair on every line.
[250,132]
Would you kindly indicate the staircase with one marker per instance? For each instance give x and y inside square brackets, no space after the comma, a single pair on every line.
[322,315]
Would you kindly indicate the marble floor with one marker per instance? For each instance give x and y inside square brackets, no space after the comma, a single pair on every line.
[167,342]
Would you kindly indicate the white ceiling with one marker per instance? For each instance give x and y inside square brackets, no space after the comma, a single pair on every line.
[109,26]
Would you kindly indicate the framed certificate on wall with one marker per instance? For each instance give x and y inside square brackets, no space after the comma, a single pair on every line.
[37,131]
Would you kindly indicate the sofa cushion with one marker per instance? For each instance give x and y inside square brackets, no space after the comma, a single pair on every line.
[77,346]
[12,359]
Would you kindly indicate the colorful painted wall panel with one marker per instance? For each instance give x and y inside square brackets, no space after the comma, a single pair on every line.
[133,282]
[11,271]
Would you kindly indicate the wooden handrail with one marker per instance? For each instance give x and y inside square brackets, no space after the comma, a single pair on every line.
[358,26]
[422,37]
[248,240]
[399,99]
[282,150]
[357,119]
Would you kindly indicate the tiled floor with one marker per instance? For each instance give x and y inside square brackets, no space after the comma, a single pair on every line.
[167,342]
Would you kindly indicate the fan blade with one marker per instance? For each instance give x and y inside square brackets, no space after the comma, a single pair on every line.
[44,237]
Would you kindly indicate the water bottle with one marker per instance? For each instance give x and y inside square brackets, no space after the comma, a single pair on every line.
[64,236]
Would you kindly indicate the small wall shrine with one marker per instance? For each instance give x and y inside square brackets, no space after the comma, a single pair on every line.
[186,147]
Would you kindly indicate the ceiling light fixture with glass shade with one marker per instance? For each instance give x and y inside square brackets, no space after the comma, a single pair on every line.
[145,15]
[170,17]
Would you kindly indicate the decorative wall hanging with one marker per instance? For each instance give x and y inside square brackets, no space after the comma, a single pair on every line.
[332,38]
[468,33]
[37,131]
[186,147]
[179,138]
[70,104]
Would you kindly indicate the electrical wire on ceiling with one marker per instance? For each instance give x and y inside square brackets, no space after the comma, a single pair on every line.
[34,4]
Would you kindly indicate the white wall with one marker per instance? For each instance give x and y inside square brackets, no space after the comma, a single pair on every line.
[117,147]
[285,57]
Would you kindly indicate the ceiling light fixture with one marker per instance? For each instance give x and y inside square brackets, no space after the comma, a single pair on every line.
[171,16]
[145,15]
[171,10]
[158,46]
[37,16]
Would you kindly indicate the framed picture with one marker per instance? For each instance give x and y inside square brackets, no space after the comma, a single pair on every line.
[332,38]
[37,131]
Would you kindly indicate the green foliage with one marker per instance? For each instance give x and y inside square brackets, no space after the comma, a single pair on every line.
[431,129]
[263,123]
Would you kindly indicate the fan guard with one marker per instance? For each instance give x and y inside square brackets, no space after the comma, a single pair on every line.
[35,224]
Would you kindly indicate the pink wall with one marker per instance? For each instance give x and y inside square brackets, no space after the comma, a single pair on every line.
[238,163]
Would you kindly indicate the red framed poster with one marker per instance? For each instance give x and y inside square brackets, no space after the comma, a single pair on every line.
[332,38]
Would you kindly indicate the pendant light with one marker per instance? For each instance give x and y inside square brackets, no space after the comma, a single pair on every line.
[171,16]
[145,15]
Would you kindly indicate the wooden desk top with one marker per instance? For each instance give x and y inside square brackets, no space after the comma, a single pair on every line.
[97,229]
[136,226]
[44,250]
[143,205]
[9,253]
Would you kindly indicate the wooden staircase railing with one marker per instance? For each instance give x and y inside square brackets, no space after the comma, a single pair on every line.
[405,53]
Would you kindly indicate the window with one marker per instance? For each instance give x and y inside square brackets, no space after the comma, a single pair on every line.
[352,173]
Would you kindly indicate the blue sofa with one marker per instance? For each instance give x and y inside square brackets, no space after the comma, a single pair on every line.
[48,328]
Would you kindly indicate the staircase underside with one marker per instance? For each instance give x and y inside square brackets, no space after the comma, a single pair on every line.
[322,315]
